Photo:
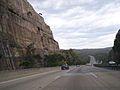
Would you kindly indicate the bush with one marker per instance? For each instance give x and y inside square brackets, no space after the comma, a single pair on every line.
[26,64]
[54,60]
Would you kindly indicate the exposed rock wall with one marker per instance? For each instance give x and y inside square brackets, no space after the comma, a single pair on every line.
[21,25]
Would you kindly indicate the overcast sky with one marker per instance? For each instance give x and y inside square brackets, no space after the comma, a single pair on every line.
[81,24]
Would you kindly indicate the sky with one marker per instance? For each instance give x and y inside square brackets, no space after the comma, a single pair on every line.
[78,24]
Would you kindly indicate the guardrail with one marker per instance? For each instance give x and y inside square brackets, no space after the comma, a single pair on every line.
[112,67]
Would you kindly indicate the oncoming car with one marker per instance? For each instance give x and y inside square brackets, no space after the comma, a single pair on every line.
[64,67]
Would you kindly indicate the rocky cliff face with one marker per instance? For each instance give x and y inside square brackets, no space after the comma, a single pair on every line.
[21,26]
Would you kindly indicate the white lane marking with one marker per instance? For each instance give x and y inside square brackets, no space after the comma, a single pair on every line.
[94,75]
[57,77]
[67,71]
[4,82]
[70,69]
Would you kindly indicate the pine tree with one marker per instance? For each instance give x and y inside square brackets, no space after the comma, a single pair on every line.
[116,48]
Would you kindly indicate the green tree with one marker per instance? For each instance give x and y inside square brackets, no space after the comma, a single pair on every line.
[53,59]
[116,48]
[29,60]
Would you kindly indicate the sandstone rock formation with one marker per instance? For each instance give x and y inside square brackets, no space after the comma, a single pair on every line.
[21,26]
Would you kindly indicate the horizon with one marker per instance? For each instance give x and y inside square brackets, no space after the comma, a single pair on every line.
[86,48]
[81,24]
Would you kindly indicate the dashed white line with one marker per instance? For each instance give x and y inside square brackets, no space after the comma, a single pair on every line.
[57,77]
[94,75]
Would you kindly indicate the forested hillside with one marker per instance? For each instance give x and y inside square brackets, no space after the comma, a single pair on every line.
[99,54]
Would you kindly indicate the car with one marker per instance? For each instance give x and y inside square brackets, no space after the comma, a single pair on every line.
[77,65]
[65,67]
[112,62]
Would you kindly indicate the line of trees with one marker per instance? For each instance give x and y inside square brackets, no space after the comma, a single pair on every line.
[65,56]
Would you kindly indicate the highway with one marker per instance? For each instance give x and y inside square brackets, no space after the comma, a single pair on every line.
[78,78]
[87,78]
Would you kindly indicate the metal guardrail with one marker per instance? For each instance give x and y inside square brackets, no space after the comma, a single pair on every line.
[112,67]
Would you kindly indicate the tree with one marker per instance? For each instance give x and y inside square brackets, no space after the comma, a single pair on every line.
[54,59]
[116,48]
[29,59]
[102,57]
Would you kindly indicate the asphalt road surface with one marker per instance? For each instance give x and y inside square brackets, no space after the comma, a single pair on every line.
[80,78]
[87,78]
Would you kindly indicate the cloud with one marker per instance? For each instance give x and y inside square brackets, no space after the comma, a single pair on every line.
[81,23]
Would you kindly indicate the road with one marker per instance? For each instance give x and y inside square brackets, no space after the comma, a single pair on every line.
[87,78]
[92,60]
[80,78]
[35,81]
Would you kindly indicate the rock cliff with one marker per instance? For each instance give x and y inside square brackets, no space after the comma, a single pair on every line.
[21,26]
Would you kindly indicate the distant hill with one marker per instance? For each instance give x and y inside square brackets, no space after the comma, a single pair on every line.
[100,54]
[93,51]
